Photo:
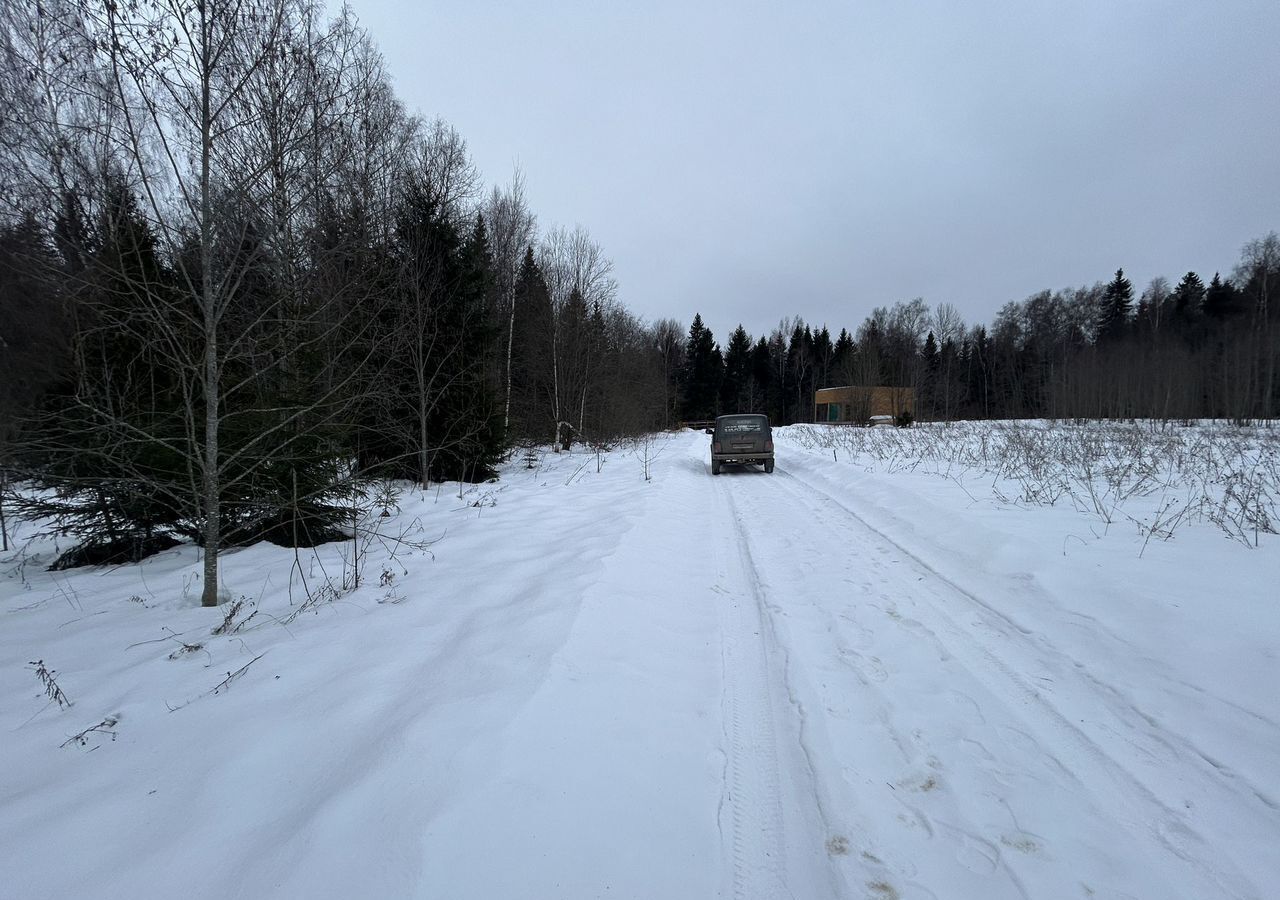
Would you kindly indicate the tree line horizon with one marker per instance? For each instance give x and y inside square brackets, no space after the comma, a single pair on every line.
[1174,352]
[240,283]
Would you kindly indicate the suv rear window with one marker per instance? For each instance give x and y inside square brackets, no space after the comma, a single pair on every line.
[740,426]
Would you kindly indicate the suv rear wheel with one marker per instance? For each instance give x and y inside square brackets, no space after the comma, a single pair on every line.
[715,467]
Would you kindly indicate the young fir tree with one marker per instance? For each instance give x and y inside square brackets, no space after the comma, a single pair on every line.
[930,353]
[929,382]
[823,358]
[436,415]
[108,446]
[1221,300]
[703,370]
[464,420]
[842,358]
[735,389]
[800,371]
[1116,308]
[1188,298]
[532,351]
[476,400]
[762,377]
[35,323]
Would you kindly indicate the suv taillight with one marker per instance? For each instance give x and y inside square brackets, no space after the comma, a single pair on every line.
[715,446]
[768,446]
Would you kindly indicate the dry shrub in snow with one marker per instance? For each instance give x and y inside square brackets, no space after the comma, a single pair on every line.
[48,678]
[1224,475]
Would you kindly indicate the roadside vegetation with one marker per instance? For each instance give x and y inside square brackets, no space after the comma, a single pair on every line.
[1157,477]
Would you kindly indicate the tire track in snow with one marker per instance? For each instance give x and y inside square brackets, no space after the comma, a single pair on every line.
[807,795]
[1139,803]
[752,788]
[861,859]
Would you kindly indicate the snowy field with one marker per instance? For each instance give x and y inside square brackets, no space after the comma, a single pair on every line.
[981,662]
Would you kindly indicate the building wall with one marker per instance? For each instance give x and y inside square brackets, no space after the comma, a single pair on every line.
[857,404]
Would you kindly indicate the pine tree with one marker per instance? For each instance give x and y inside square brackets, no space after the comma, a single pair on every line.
[762,377]
[1222,300]
[1188,298]
[800,369]
[929,383]
[437,417]
[531,408]
[823,358]
[476,402]
[107,445]
[575,349]
[703,370]
[842,358]
[735,389]
[35,323]
[1116,308]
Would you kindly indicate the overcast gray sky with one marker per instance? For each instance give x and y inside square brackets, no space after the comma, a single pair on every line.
[754,160]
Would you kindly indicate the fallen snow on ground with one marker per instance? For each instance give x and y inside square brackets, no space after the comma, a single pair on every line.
[850,678]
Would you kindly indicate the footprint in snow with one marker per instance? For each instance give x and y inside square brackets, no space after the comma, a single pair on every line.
[921,784]
[883,890]
[976,854]
[969,706]
[1023,842]
[838,846]
[915,820]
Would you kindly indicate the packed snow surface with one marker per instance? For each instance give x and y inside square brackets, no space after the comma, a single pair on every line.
[844,679]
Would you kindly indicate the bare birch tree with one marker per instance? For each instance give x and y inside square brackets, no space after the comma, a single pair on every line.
[512,228]
[214,116]
[573,264]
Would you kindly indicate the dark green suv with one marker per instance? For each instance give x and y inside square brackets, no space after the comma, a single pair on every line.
[741,440]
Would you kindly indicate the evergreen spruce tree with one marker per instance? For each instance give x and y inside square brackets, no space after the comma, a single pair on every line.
[930,353]
[107,445]
[762,368]
[437,418]
[823,358]
[735,389]
[477,399]
[980,370]
[929,383]
[800,376]
[702,373]
[842,358]
[1116,308]
[532,349]
[1188,297]
[1221,300]
[35,323]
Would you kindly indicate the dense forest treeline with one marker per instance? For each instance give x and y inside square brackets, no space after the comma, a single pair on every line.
[1173,352]
[239,281]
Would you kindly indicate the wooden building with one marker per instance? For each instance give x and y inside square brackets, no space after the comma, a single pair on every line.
[856,404]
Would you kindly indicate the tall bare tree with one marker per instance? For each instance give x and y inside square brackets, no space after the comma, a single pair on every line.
[222,120]
[512,229]
[575,269]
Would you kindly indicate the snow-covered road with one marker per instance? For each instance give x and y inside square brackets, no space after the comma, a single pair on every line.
[953,750]
[820,683]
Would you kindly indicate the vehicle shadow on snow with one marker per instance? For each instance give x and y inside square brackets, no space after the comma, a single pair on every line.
[729,471]
[703,467]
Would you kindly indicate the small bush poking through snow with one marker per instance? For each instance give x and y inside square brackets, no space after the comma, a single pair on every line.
[229,624]
[1226,476]
[106,726]
[326,593]
[48,678]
